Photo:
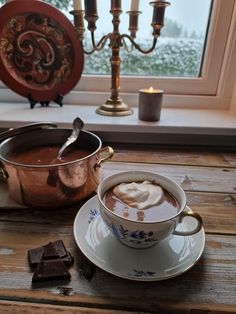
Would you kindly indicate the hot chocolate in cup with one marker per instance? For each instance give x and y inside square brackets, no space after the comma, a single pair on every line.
[142,208]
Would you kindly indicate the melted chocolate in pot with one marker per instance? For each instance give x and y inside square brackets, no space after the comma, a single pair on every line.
[45,155]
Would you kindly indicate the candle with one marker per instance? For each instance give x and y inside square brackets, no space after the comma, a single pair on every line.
[90,7]
[150,103]
[77,5]
[158,15]
[151,90]
[134,5]
[115,4]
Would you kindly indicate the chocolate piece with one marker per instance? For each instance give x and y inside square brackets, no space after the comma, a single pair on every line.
[68,260]
[50,260]
[60,248]
[50,252]
[51,269]
[35,256]
[62,252]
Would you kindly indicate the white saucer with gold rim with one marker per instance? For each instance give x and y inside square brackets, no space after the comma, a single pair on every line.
[169,258]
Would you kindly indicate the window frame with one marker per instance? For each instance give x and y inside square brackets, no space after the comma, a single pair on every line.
[213,90]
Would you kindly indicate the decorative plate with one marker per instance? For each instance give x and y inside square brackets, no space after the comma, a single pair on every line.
[169,258]
[40,55]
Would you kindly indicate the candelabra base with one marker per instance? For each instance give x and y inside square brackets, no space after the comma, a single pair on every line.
[115,108]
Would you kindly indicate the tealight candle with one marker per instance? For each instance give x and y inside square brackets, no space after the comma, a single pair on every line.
[150,103]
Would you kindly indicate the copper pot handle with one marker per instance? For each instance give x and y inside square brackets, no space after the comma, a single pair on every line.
[110,152]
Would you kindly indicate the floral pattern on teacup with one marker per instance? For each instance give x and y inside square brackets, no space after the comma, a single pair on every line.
[132,237]
[93,213]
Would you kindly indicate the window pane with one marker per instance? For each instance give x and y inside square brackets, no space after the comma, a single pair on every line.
[179,50]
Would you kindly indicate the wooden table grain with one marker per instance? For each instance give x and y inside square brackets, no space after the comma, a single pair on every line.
[209,179]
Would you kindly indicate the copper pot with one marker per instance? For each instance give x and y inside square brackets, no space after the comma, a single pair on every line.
[52,185]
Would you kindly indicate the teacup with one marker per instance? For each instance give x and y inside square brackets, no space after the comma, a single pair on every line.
[145,233]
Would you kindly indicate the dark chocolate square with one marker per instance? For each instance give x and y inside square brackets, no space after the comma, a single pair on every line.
[50,251]
[35,256]
[51,269]
[62,252]
[60,248]
[68,260]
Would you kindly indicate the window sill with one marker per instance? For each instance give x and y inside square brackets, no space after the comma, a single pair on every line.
[176,126]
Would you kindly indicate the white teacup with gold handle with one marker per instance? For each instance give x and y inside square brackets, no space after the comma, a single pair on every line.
[142,208]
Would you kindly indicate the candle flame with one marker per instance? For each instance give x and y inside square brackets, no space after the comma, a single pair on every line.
[151,90]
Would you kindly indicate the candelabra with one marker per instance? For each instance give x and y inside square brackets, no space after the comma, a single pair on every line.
[115,106]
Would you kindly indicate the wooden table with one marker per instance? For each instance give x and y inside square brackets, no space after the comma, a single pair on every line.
[209,179]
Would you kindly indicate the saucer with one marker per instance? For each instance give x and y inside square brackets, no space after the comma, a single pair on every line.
[171,257]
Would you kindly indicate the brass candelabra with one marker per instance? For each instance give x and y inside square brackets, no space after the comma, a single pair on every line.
[115,106]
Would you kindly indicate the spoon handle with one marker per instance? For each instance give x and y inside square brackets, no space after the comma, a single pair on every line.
[78,124]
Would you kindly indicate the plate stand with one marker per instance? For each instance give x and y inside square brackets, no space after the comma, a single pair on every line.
[58,100]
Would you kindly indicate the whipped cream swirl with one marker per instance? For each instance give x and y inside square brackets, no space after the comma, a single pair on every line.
[140,195]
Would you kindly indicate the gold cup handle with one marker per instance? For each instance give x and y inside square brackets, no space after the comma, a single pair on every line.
[196,216]
[109,150]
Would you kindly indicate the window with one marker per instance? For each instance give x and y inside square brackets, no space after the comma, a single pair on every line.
[205,87]
[179,49]
[219,45]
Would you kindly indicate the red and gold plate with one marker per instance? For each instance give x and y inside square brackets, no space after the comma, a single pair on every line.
[40,55]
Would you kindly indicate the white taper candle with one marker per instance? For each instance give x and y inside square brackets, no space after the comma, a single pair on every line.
[77,5]
[134,5]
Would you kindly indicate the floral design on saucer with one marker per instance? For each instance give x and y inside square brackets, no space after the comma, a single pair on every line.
[141,273]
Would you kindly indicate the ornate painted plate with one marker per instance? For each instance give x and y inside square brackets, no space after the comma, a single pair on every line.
[40,55]
[171,257]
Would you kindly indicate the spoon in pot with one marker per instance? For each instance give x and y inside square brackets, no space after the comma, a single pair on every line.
[78,125]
